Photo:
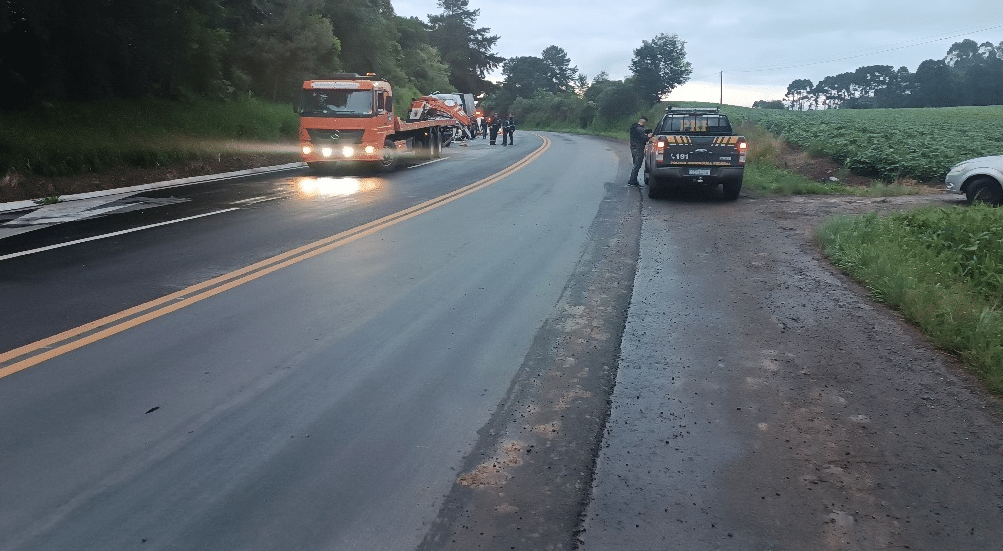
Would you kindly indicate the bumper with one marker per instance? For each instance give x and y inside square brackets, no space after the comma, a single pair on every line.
[683,175]
[953,183]
[319,153]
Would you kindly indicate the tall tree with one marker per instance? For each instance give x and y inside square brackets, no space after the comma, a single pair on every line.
[935,85]
[800,95]
[369,37]
[525,75]
[291,43]
[659,66]
[964,54]
[466,49]
[425,69]
[560,73]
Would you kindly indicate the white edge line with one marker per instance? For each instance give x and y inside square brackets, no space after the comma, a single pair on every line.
[18,205]
[113,234]
[409,167]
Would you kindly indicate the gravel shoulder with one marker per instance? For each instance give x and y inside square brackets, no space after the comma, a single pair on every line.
[763,401]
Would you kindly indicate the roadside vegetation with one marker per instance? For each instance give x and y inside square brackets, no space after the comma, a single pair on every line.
[941,267]
[72,138]
[889,144]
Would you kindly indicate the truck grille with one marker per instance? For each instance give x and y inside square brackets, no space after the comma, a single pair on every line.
[335,137]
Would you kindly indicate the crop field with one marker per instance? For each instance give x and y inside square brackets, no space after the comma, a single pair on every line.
[917,144]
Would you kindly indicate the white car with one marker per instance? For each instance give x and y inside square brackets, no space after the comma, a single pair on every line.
[979,179]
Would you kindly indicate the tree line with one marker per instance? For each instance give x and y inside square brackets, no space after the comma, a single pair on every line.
[85,50]
[88,50]
[970,74]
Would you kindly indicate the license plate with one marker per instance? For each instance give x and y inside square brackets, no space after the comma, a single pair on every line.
[699,172]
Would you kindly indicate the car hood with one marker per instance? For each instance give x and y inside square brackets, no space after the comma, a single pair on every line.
[995,161]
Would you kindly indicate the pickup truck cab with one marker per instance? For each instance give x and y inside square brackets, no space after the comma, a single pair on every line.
[694,147]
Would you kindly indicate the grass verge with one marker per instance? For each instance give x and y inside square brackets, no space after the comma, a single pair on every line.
[941,267]
[68,138]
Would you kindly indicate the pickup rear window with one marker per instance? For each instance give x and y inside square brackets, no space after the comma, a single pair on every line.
[694,124]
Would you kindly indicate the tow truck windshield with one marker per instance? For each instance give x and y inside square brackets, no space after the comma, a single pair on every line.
[337,103]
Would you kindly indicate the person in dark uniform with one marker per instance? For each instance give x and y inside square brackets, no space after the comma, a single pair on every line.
[638,137]
[508,130]
[484,127]
[494,128]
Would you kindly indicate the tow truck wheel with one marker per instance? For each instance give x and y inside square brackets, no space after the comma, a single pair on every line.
[388,162]
[435,144]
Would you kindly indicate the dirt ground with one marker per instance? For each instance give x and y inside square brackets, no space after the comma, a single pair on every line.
[764,401]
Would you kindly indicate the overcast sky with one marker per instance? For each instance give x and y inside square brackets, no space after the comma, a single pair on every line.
[760,45]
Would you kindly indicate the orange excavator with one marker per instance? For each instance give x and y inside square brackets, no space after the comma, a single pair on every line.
[351,117]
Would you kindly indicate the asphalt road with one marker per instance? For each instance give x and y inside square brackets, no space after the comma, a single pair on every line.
[290,362]
[507,349]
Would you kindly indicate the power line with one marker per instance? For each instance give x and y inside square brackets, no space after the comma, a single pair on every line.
[931,40]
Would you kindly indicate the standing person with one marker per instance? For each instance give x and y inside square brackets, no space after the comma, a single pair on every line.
[638,137]
[508,129]
[484,127]
[495,127]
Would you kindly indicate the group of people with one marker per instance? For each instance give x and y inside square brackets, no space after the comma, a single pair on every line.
[491,126]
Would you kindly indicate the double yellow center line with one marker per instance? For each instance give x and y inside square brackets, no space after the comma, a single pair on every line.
[40,351]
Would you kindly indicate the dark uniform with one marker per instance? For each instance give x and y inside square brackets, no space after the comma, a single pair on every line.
[638,138]
[508,131]
[495,126]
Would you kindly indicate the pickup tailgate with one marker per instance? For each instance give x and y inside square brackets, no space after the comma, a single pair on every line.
[700,151]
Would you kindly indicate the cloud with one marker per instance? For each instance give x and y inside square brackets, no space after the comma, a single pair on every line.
[761,46]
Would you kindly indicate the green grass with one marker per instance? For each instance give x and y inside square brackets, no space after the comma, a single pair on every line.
[941,267]
[919,144]
[69,138]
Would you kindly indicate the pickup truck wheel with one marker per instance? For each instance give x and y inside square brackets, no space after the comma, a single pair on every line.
[731,190]
[388,161]
[656,188]
[985,190]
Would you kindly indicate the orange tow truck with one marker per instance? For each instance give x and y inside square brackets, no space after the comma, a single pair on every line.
[350,117]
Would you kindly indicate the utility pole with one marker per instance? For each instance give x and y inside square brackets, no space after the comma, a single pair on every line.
[722,89]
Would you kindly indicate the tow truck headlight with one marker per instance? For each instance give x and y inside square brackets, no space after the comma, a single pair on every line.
[347,151]
[370,150]
[326,151]
[307,150]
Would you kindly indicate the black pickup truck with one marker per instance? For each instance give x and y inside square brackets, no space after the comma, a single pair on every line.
[694,147]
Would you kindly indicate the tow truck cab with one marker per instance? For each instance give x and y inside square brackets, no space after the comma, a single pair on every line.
[347,117]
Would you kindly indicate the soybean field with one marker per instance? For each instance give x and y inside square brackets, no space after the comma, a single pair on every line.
[890,144]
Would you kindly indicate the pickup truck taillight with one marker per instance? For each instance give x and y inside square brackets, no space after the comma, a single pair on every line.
[659,151]
[743,148]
